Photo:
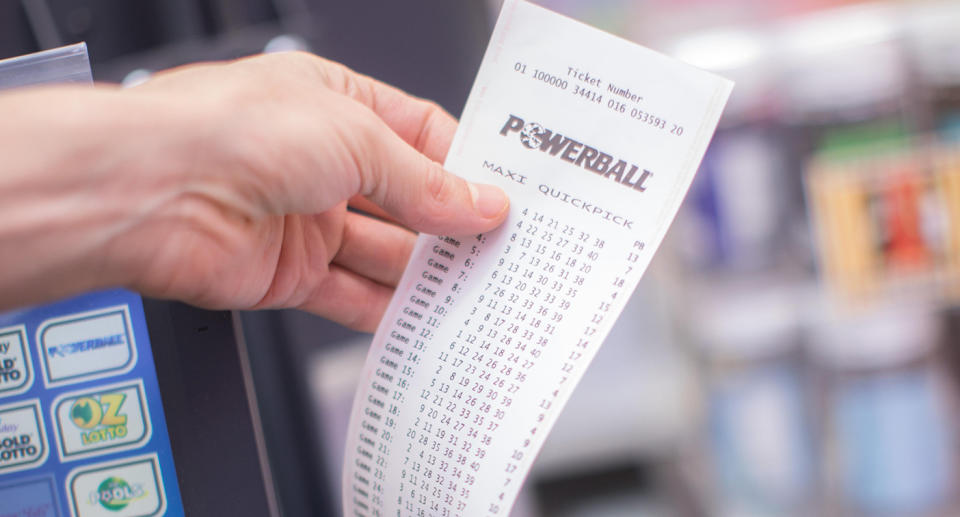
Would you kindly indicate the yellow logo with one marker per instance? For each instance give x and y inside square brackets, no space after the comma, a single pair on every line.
[100,419]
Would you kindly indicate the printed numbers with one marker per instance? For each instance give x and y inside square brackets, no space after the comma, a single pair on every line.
[483,317]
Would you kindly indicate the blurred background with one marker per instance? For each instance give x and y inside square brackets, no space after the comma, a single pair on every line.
[799,356]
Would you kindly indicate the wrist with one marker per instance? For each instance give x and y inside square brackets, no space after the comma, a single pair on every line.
[87,167]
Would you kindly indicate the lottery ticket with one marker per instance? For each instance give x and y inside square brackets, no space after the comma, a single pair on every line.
[596,140]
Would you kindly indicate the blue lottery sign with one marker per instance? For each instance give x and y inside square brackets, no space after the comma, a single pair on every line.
[82,429]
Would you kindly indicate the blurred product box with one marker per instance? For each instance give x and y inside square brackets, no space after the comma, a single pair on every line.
[887,216]
[759,441]
[887,414]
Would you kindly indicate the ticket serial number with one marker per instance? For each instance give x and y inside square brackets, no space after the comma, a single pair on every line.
[610,100]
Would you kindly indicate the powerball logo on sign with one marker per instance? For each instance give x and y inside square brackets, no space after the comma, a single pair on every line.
[86,346]
[105,420]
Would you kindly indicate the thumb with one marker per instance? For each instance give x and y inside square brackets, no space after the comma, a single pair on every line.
[420,194]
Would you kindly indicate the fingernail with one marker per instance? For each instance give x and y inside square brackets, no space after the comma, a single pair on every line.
[490,201]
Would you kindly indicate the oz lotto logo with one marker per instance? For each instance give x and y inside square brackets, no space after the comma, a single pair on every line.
[101,421]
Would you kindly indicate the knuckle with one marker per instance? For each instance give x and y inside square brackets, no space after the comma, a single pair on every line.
[426,127]
[348,82]
[279,76]
[435,122]
[436,115]
[439,185]
[291,59]
[364,143]
[439,191]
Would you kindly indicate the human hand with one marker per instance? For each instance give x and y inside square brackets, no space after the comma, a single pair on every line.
[227,186]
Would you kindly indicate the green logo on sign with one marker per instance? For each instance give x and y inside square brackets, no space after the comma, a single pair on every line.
[115,494]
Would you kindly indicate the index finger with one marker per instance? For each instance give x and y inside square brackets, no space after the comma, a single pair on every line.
[423,124]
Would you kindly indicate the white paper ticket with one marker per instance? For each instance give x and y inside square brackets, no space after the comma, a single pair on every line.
[595,140]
